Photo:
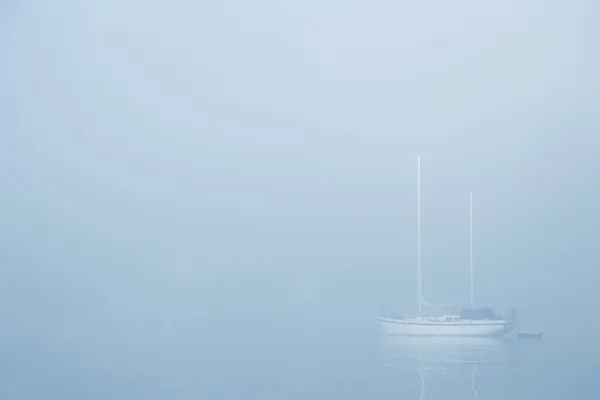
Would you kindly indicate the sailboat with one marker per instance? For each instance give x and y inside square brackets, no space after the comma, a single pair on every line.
[471,321]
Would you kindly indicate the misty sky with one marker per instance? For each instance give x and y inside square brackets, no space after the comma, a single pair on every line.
[186,161]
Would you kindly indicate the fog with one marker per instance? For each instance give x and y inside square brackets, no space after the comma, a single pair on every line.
[179,175]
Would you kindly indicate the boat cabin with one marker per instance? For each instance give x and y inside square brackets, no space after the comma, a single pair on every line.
[478,314]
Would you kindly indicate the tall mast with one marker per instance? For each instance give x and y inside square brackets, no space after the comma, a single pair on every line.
[419,232]
[471,249]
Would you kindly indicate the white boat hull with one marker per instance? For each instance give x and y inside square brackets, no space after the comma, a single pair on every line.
[423,327]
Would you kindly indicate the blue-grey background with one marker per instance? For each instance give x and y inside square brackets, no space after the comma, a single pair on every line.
[216,199]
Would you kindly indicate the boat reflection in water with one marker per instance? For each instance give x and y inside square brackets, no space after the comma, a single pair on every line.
[451,367]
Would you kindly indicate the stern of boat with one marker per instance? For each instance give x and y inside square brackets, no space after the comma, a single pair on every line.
[511,321]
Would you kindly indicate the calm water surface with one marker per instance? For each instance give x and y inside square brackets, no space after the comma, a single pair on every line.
[229,359]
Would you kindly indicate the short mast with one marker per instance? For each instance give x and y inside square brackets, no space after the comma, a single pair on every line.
[419,232]
[471,248]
